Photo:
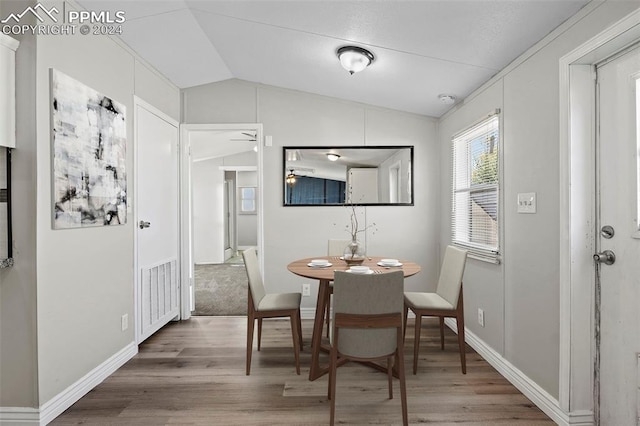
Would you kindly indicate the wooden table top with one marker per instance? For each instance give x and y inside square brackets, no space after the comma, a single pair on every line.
[300,267]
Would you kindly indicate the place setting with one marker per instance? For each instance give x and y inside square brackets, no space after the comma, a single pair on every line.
[360,269]
[319,263]
[389,263]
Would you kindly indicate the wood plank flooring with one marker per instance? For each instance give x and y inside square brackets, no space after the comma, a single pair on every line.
[192,373]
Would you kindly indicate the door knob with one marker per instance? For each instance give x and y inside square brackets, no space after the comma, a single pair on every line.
[607,257]
[142,224]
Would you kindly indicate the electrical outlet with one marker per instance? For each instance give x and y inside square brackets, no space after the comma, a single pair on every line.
[481,317]
[124,322]
[306,289]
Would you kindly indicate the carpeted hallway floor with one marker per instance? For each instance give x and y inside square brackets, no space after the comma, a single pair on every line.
[221,289]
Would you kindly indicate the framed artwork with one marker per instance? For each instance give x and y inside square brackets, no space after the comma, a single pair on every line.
[89,137]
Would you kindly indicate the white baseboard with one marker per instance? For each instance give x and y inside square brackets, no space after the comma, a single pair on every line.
[65,399]
[307,313]
[22,416]
[541,398]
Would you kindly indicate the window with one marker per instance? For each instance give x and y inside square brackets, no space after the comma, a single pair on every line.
[476,182]
[248,200]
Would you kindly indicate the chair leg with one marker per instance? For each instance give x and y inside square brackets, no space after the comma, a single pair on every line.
[250,323]
[259,332]
[300,328]
[441,333]
[416,342]
[390,375]
[403,384]
[463,359]
[406,317]
[295,334]
[332,378]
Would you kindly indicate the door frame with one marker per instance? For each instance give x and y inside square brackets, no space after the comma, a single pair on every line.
[139,102]
[185,201]
[577,215]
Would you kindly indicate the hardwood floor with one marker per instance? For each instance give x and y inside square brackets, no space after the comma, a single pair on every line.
[193,373]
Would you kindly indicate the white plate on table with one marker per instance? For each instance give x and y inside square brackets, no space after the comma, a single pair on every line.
[389,265]
[370,271]
[320,265]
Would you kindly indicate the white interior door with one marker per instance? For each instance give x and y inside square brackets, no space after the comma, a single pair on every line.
[619,284]
[158,295]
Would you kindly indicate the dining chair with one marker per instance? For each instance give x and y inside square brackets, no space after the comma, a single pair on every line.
[367,326]
[335,248]
[446,302]
[264,305]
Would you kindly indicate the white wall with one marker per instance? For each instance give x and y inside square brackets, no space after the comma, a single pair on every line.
[302,119]
[520,297]
[18,284]
[64,277]
[207,190]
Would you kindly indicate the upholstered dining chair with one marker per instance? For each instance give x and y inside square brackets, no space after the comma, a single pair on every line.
[367,326]
[335,248]
[263,305]
[445,302]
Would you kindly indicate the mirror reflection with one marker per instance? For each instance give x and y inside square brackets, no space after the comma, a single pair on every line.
[377,175]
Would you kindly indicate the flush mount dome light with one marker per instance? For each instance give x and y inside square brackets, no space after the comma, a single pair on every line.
[332,157]
[354,59]
[447,99]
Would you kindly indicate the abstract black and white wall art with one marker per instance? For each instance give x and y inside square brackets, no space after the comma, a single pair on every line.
[89,155]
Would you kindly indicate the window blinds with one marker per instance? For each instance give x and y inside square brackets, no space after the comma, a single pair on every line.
[475,201]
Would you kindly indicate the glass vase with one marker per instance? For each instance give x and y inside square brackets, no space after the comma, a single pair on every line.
[354,253]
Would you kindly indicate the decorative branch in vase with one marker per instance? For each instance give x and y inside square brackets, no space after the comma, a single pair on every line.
[354,252]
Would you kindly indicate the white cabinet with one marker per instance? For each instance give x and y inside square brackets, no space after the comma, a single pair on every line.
[362,185]
[8,48]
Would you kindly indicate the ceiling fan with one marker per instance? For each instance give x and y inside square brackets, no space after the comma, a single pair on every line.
[250,137]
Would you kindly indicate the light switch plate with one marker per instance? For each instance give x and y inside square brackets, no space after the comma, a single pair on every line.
[527,202]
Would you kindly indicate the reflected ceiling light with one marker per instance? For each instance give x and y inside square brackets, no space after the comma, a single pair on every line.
[447,99]
[332,157]
[255,148]
[294,155]
[354,59]
[291,179]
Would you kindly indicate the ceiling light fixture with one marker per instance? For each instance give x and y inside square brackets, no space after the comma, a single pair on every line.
[354,59]
[332,157]
[291,179]
[447,99]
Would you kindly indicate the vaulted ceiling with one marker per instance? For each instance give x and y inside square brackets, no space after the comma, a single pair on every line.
[422,48]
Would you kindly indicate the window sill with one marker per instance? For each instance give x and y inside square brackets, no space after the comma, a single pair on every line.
[496,260]
[480,254]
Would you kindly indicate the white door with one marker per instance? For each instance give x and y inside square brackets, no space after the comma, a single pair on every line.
[158,295]
[619,284]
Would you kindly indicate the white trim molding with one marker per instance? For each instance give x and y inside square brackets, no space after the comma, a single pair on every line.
[541,398]
[65,399]
[20,415]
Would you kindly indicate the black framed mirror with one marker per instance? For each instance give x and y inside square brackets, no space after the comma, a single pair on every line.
[6,255]
[339,175]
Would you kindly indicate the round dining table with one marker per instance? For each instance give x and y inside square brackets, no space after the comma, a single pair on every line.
[325,275]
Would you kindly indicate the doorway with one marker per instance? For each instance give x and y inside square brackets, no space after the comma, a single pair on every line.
[218,162]
[580,382]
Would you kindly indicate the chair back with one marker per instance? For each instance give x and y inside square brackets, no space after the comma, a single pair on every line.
[451,273]
[256,285]
[336,247]
[368,295]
